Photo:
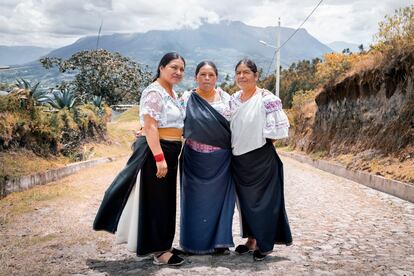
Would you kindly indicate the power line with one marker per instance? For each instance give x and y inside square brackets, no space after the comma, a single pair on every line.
[297,29]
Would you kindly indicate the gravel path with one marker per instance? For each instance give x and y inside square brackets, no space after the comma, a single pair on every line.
[339,227]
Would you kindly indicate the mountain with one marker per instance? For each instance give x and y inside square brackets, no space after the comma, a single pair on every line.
[225,43]
[12,55]
[339,46]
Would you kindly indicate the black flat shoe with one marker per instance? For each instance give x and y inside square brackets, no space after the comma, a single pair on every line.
[242,249]
[176,251]
[174,260]
[258,256]
[221,251]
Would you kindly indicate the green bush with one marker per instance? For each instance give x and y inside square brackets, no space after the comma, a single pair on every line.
[49,131]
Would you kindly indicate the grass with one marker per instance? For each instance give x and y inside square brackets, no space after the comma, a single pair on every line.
[120,135]
[24,162]
[287,148]
[129,116]
[386,166]
[319,154]
[28,200]
[74,188]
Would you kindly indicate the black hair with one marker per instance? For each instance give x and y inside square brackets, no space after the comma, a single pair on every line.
[165,60]
[203,63]
[249,63]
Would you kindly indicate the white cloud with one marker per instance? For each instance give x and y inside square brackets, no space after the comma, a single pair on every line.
[59,22]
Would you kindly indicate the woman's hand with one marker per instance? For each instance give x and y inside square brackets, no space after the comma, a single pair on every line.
[162,169]
[153,140]
[138,133]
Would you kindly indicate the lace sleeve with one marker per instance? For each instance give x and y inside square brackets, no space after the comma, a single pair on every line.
[152,104]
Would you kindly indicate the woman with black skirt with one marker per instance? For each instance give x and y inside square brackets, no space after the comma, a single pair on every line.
[257,120]
[140,204]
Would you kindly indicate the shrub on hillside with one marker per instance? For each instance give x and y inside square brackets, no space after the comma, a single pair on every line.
[300,100]
[396,32]
[46,131]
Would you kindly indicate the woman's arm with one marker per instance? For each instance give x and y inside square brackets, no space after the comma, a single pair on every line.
[153,140]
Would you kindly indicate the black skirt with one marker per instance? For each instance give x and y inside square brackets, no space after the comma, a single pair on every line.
[157,204]
[157,200]
[258,175]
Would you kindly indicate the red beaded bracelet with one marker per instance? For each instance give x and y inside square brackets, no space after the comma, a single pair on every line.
[159,157]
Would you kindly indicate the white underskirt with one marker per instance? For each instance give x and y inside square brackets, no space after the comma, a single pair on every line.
[127,231]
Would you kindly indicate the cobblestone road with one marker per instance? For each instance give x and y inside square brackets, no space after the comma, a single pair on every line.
[339,227]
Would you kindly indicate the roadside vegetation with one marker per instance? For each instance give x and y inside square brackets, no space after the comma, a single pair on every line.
[385,146]
[44,128]
[391,55]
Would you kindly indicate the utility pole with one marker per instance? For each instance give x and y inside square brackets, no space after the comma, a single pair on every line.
[277,59]
[277,84]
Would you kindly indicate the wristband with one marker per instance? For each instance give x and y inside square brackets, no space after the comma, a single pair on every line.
[159,157]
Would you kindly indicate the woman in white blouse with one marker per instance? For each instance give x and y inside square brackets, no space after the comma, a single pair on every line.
[257,120]
[140,204]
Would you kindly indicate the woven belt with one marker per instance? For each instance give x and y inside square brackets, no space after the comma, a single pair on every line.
[171,134]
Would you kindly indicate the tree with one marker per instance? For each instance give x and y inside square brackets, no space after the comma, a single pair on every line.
[396,32]
[102,73]
[299,76]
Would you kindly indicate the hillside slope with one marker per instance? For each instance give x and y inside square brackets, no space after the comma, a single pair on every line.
[366,120]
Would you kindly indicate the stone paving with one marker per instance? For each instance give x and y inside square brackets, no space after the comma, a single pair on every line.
[339,227]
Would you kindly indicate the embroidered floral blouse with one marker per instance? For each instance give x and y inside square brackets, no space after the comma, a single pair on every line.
[157,103]
[277,123]
[222,106]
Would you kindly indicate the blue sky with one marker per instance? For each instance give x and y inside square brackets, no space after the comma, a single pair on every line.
[55,23]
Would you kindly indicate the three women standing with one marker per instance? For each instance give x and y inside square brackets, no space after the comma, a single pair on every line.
[140,204]
[257,119]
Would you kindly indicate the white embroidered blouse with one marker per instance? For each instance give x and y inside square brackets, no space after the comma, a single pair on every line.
[276,124]
[157,103]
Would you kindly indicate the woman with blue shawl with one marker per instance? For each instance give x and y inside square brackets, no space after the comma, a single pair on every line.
[207,189]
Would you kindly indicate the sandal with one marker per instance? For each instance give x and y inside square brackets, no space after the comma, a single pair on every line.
[174,260]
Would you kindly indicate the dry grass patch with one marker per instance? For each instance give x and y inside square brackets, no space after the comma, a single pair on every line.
[25,162]
[27,201]
[120,136]
[130,115]
[386,166]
